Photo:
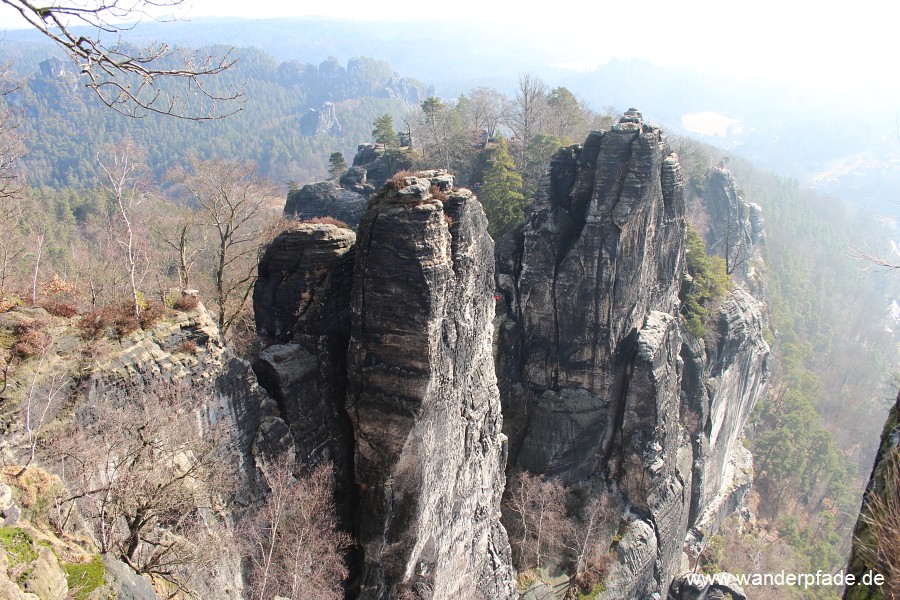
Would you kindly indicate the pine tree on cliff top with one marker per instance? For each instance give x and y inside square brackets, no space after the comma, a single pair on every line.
[501,194]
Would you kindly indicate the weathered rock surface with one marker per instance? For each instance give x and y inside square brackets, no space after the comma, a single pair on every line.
[47,580]
[124,583]
[882,485]
[721,384]
[302,298]
[598,380]
[323,120]
[734,228]
[296,273]
[717,587]
[325,199]
[423,399]
[346,199]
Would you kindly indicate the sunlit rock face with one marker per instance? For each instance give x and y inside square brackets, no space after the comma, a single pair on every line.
[423,398]
[590,352]
[392,330]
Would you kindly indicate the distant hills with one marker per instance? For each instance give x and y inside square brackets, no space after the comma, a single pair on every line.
[846,144]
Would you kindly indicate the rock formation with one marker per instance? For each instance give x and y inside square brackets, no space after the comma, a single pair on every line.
[428,452]
[734,227]
[325,198]
[874,548]
[323,120]
[372,166]
[302,301]
[600,384]
[111,371]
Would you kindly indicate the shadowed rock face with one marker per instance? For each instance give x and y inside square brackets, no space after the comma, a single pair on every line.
[423,399]
[600,385]
[394,382]
[602,249]
[325,199]
[301,299]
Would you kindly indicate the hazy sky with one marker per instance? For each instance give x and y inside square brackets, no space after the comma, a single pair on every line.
[855,42]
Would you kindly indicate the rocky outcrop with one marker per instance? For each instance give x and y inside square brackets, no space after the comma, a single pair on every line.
[301,300]
[406,358]
[430,454]
[873,547]
[346,200]
[599,381]
[325,199]
[734,227]
[111,371]
[721,384]
[323,120]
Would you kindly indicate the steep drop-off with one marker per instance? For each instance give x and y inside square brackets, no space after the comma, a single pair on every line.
[411,342]
[601,385]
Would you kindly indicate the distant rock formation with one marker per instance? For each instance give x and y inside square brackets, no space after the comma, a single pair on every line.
[323,120]
[734,227]
[346,200]
[600,384]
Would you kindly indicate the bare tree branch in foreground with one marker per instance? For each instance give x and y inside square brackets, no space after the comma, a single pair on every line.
[130,80]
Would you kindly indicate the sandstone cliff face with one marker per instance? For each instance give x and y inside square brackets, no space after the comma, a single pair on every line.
[302,301]
[184,347]
[600,384]
[404,358]
[323,199]
[430,454]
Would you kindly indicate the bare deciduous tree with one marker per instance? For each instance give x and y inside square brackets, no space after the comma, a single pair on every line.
[590,558]
[535,517]
[125,181]
[528,109]
[292,541]
[232,198]
[180,230]
[151,474]
[135,82]
[487,109]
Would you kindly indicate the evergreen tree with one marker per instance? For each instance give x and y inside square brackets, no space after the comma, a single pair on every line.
[501,194]
[336,165]
[384,132]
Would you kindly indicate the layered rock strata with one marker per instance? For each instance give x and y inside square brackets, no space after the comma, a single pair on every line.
[600,384]
[430,454]
[412,344]
[301,300]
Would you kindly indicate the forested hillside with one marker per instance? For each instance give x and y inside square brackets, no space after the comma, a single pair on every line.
[283,123]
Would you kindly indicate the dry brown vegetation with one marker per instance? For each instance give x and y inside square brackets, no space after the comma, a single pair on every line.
[438,194]
[32,338]
[398,181]
[292,541]
[328,221]
[881,516]
[186,303]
